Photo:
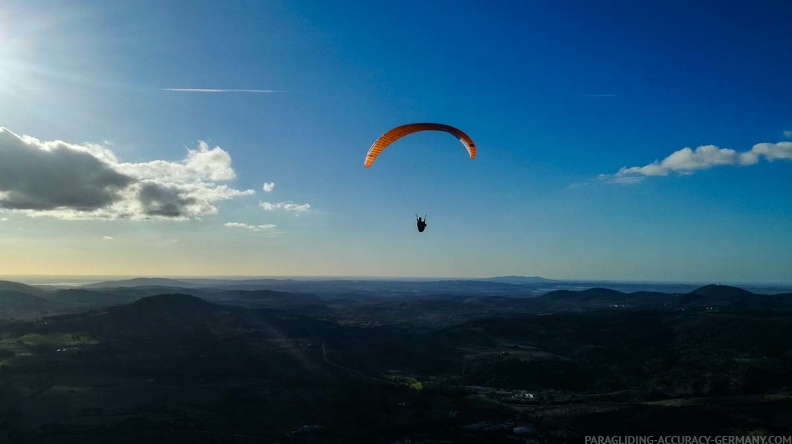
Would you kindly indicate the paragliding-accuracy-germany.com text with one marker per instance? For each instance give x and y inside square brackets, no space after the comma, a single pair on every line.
[688,439]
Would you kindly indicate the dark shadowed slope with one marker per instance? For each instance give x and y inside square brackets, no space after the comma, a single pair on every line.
[722,291]
[598,298]
[172,318]
[721,297]
[590,294]
[15,304]
[162,318]
[82,299]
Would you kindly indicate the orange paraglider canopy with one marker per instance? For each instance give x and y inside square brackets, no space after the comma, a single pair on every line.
[404,130]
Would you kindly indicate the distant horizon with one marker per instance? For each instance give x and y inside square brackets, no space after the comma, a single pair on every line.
[36,279]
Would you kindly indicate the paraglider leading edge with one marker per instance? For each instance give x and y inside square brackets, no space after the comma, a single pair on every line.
[400,131]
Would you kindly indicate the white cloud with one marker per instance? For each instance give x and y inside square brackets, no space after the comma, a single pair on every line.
[3,219]
[620,179]
[268,187]
[264,227]
[107,237]
[773,151]
[68,181]
[290,207]
[707,156]
[201,164]
[687,161]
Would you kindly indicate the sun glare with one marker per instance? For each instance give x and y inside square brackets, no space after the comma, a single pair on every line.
[21,63]
[9,61]
[3,56]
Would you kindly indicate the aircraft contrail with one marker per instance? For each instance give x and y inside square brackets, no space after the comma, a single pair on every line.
[208,90]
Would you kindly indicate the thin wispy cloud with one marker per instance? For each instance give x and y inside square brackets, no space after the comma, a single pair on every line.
[212,90]
[688,161]
[108,237]
[266,228]
[788,134]
[289,207]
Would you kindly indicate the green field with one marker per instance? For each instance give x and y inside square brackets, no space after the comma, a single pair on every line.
[13,347]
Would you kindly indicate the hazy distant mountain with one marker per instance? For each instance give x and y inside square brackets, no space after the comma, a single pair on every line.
[82,298]
[421,301]
[510,286]
[333,287]
[141,282]
[21,288]
[519,280]
[23,301]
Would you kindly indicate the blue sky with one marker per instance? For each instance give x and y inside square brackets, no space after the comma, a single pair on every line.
[581,112]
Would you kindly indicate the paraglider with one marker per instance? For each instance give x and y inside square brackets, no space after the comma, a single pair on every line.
[421,224]
[400,131]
